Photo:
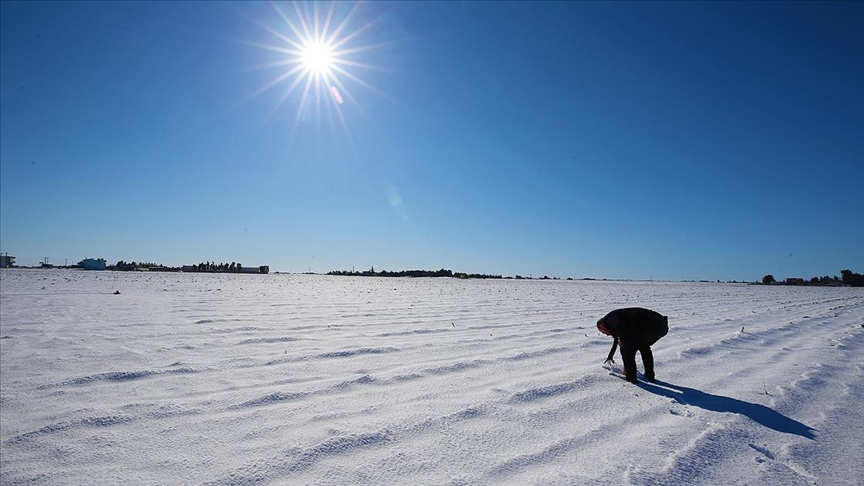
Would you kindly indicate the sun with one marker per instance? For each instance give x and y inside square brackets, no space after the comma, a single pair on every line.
[316,57]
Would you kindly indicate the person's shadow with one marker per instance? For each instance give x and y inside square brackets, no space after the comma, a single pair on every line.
[717,403]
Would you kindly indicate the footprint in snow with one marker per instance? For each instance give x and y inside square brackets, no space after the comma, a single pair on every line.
[762,450]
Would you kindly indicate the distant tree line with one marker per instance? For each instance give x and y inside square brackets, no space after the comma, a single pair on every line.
[411,273]
[208,267]
[211,267]
[130,266]
[474,275]
[847,278]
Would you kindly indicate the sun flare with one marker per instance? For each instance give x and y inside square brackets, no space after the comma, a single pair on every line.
[315,51]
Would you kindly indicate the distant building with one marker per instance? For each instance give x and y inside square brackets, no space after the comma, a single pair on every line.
[261,269]
[92,264]
[7,261]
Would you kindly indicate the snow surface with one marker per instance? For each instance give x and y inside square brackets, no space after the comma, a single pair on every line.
[301,379]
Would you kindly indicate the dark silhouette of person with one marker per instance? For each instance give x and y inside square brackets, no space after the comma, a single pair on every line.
[636,329]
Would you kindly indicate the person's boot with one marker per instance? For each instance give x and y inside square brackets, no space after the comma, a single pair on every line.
[650,377]
[630,375]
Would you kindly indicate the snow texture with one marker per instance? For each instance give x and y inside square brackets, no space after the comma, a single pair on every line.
[301,379]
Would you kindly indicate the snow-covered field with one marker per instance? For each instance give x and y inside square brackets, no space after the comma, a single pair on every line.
[301,379]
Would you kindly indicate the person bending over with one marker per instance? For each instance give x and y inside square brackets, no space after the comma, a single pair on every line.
[635,329]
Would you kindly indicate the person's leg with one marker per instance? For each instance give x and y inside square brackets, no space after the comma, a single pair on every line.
[648,362]
[628,357]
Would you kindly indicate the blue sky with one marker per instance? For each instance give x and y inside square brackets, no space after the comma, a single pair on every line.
[572,139]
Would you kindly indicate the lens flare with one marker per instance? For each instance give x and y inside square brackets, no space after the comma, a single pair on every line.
[336,95]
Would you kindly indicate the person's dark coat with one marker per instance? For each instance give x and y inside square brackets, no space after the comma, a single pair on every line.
[635,329]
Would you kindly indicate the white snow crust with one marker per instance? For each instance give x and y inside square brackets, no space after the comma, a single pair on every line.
[303,379]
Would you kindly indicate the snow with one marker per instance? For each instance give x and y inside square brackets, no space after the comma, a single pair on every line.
[303,379]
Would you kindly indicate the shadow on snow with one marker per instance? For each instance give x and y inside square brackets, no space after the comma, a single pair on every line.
[718,403]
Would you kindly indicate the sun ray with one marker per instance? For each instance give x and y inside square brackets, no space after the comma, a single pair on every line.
[307,35]
[303,100]
[315,23]
[283,62]
[273,83]
[354,50]
[332,82]
[318,101]
[342,25]
[350,97]
[338,109]
[268,47]
[354,34]
[327,22]
[363,65]
[284,97]
[362,83]
[320,55]
[288,22]
[280,36]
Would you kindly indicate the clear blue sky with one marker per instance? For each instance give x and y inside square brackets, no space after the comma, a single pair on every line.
[572,139]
